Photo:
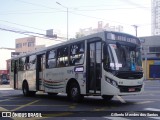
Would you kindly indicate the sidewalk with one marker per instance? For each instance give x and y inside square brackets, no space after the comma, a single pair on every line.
[152,81]
[5,87]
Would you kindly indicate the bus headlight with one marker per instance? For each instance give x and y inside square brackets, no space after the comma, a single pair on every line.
[112,82]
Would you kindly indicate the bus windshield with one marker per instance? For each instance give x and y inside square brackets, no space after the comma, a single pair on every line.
[125,57]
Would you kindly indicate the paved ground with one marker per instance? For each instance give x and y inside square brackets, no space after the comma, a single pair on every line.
[13,100]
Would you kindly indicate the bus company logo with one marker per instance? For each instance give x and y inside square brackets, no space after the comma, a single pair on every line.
[23,114]
[6,114]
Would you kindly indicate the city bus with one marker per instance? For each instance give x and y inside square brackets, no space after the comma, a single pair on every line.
[103,64]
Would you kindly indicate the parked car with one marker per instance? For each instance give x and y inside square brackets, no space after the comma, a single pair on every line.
[4,81]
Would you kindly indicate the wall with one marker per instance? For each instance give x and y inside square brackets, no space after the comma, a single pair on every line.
[5,54]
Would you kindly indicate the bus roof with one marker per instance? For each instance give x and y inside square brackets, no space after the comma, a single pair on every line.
[98,34]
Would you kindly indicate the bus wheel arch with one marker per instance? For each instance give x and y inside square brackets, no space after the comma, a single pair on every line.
[73,91]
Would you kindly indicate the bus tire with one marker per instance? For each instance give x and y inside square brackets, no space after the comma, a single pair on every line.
[74,93]
[25,89]
[107,97]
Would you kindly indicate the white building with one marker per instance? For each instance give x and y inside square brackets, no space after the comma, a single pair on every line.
[155,19]
[5,54]
[100,27]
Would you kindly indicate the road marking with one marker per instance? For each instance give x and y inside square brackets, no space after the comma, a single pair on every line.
[116,118]
[157,118]
[72,106]
[99,109]
[152,109]
[58,114]
[6,99]
[3,109]
[144,102]
[37,105]
[22,106]
[135,99]
[121,99]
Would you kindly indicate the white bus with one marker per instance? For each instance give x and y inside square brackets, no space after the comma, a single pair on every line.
[102,64]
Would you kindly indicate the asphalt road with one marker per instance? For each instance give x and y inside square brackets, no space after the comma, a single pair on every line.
[59,107]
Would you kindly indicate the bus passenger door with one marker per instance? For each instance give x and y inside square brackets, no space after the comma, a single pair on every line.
[94,67]
[15,78]
[40,72]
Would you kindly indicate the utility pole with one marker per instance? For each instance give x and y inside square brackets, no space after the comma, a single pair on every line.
[135,26]
[67,15]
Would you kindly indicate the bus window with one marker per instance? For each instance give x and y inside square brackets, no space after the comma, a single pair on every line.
[12,65]
[62,54]
[51,59]
[32,62]
[77,54]
[22,64]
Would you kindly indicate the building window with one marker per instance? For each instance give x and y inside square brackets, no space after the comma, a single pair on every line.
[154,49]
[19,45]
[30,44]
[24,44]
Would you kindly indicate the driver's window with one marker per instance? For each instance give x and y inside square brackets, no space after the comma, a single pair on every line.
[106,60]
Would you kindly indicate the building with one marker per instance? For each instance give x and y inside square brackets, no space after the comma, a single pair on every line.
[155,18]
[5,54]
[151,56]
[100,27]
[32,43]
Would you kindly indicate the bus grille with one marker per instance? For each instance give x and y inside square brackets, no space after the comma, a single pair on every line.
[129,75]
[130,88]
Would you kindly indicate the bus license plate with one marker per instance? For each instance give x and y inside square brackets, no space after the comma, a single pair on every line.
[131,89]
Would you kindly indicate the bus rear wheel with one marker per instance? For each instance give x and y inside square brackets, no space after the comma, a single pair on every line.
[74,93]
[25,89]
[107,97]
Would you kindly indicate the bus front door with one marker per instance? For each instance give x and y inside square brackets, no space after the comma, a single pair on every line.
[94,67]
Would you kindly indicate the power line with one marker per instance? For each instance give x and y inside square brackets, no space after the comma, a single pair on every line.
[111,9]
[21,25]
[29,33]
[39,5]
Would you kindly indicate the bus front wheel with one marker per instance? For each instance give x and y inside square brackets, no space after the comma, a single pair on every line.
[107,97]
[74,93]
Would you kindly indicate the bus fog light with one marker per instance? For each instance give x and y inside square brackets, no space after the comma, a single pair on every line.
[114,83]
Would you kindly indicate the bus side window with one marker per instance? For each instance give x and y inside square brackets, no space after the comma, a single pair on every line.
[12,65]
[62,54]
[77,54]
[27,63]
[51,59]
[22,64]
[32,62]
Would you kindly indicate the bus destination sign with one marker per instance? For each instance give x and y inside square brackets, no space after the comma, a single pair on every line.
[123,37]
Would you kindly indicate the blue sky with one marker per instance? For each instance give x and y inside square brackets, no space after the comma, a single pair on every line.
[40,15]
